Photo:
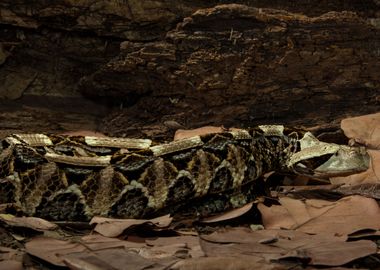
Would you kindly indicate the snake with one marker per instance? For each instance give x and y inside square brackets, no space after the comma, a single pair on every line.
[74,178]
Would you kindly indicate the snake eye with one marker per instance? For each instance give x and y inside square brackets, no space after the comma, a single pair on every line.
[274,140]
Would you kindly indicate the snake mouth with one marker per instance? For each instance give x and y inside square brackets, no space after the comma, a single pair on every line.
[310,166]
[344,161]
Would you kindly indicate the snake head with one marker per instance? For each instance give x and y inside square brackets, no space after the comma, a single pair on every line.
[323,160]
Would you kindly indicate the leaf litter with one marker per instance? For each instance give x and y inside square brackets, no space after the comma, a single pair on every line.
[348,215]
[300,232]
[114,227]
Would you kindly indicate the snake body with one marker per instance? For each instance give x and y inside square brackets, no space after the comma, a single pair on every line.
[75,178]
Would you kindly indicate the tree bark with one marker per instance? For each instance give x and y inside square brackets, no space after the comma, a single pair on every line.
[144,68]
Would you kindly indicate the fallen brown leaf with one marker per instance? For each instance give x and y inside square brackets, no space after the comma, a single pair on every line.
[97,242]
[334,253]
[108,259]
[237,241]
[364,234]
[320,249]
[88,253]
[240,235]
[227,263]
[191,243]
[189,240]
[163,252]
[34,223]
[51,250]
[289,189]
[234,213]
[343,217]
[364,129]
[275,217]
[111,227]
[370,190]
[11,265]
[322,192]
[9,254]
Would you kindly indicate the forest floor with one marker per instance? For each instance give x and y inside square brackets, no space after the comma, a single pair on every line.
[300,226]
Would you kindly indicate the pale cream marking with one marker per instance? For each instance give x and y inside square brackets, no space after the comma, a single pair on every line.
[34,139]
[118,142]
[240,134]
[121,177]
[12,140]
[98,161]
[272,130]
[175,146]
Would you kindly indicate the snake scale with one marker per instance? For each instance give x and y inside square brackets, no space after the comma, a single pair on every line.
[75,178]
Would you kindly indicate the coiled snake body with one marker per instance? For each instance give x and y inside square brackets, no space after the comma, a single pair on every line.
[75,178]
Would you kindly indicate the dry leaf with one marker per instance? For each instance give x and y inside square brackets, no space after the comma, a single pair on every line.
[343,217]
[363,129]
[322,192]
[320,249]
[111,227]
[108,259]
[367,190]
[234,213]
[364,234]
[34,223]
[52,250]
[162,252]
[334,253]
[9,254]
[89,254]
[97,242]
[239,235]
[275,217]
[189,242]
[11,265]
[227,263]
[323,249]
[237,241]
